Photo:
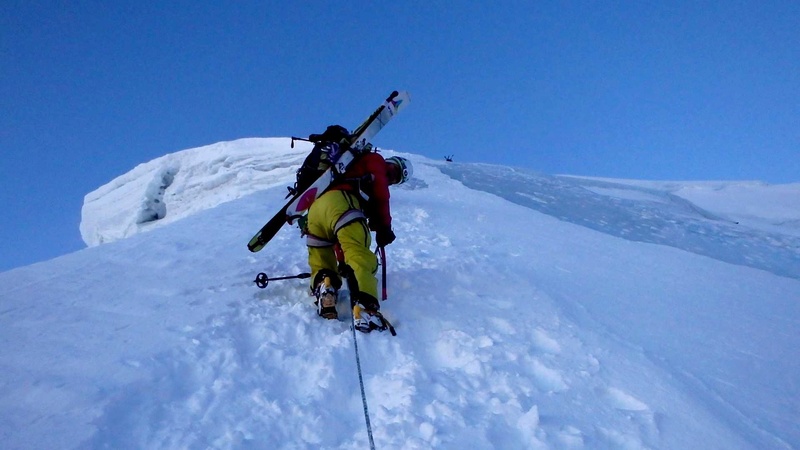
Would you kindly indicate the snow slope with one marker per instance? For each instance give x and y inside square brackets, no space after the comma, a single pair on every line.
[532,311]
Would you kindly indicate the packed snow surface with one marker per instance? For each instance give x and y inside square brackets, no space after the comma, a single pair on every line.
[532,311]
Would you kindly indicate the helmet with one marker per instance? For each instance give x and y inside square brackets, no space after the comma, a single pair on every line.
[406,169]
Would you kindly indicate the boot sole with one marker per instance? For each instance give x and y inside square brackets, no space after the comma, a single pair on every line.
[330,315]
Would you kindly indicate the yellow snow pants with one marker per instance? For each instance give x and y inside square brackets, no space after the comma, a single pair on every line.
[337,217]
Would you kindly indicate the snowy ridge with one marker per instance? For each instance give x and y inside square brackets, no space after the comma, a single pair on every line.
[530,310]
[752,203]
[661,213]
[179,184]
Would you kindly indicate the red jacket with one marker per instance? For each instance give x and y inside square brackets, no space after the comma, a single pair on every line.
[367,178]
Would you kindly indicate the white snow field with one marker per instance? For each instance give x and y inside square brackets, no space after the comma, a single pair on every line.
[532,311]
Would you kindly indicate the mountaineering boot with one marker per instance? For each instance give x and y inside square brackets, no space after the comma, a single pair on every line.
[326,298]
[366,320]
[366,316]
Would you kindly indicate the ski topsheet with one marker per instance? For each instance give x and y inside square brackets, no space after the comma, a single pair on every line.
[361,136]
[375,122]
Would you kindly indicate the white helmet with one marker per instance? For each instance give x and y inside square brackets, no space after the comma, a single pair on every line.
[406,169]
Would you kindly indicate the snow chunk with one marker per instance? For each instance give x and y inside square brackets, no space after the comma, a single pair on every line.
[153,207]
[180,184]
[624,401]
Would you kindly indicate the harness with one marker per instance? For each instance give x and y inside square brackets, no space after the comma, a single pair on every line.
[354,214]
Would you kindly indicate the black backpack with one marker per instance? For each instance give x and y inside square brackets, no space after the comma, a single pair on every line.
[327,148]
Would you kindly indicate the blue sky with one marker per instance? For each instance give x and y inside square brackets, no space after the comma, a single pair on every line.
[678,90]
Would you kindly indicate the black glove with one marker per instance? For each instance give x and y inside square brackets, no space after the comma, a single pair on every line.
[384,237]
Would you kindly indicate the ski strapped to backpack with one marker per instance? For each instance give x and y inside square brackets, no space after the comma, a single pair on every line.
[337,149]
[340,152]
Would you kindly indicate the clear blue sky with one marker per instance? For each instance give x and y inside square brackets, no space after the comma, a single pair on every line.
[654,90]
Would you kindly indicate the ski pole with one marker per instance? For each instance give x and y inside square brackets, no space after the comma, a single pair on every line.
[262,280]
